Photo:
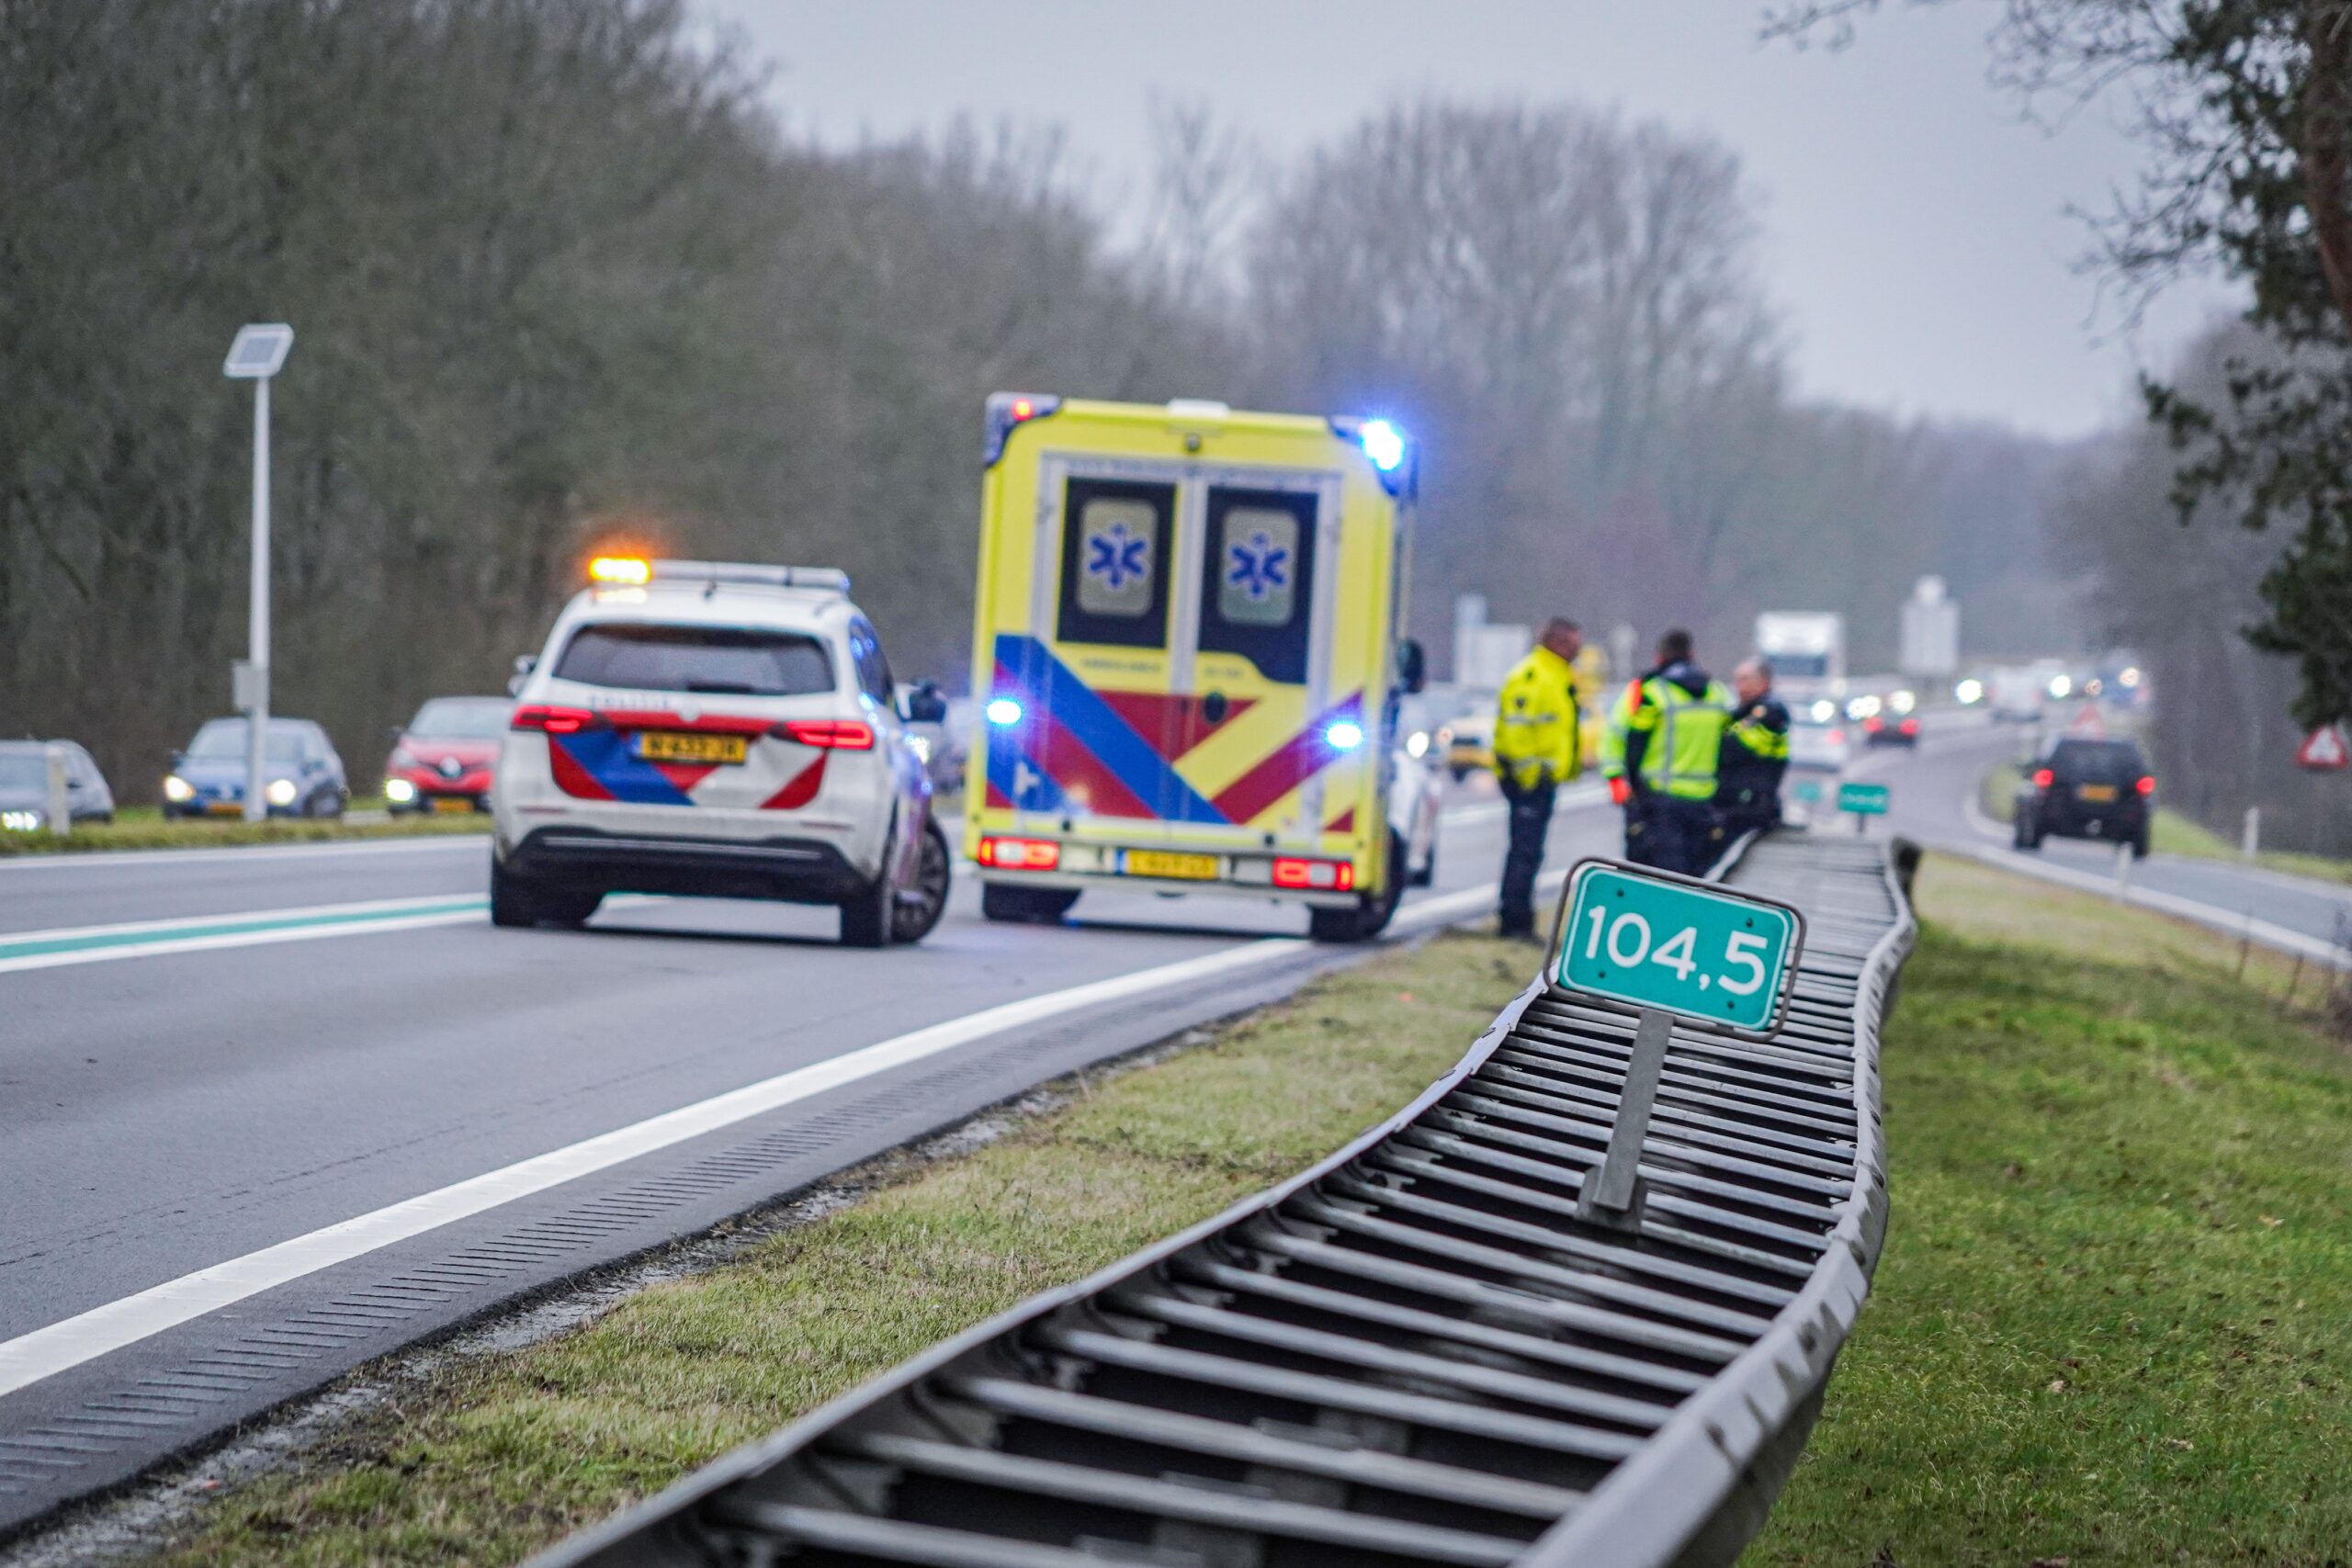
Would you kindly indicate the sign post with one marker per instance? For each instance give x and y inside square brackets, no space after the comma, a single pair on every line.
[1666,947]
[1865,801]
[256,355]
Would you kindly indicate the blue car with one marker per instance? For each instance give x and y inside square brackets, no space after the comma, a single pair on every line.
[305,776]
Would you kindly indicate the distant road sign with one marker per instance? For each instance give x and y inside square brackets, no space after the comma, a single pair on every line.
[2324,750]
[1864,799]
[1678,946]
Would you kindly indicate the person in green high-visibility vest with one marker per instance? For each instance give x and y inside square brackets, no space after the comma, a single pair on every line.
[1674,739]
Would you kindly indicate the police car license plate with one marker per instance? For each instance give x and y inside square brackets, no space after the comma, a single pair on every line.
[1164,863]
[2097,792]
[668,746]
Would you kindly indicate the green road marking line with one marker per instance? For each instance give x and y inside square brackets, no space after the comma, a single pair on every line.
[235,925]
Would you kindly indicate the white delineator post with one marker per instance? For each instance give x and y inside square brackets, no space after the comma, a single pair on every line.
[255,357]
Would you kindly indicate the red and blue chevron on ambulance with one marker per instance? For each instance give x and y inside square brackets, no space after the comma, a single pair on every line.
[708,727]
[1186,658]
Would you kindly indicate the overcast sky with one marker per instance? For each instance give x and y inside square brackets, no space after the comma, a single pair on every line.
[1917,241]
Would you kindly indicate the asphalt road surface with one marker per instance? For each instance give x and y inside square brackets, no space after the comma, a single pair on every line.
[268,1112]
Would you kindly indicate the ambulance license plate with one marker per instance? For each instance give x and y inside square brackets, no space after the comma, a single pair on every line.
[452,803]
[668,746]
[1164,863]
[2096,792]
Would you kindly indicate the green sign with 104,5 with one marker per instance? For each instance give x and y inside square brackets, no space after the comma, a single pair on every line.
[1863,799]
[1687,948]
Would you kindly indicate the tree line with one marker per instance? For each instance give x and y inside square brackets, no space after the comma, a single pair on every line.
[559,282]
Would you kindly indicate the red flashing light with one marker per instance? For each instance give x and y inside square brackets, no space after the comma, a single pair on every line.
[2043,778]
[1315,876]
[1024,409]
[830,734]
[1021,855]
[555,720]
[2145,784]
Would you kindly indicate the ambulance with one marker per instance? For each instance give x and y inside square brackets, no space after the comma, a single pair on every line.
[1185,658]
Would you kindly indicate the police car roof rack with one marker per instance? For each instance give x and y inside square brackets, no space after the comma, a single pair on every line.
[825,579]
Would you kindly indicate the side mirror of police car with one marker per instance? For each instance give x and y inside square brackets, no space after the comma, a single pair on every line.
[1412,665]
[925,705]
[524,664]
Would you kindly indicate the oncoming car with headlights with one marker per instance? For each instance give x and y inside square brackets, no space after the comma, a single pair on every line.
[304,774]
[718,729]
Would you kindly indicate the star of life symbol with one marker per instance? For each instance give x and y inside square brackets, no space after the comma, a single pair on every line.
[1259,565]
[1116,556]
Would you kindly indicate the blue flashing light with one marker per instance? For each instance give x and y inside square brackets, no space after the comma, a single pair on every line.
[1344,735]
[1003,712]
[1383,444]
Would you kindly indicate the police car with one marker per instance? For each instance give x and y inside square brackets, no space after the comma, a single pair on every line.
[704,728]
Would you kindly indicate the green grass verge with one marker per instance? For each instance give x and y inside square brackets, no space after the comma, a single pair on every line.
[143,828]
[490,1457]
[2109,1323]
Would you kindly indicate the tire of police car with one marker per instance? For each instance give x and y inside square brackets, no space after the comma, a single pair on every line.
[913,917]
[1372,911]
[514,902]
[1025,905]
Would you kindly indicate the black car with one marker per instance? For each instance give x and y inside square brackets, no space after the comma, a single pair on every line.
[2088,789]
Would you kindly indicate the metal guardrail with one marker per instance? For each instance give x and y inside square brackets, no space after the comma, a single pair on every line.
[1413,1352]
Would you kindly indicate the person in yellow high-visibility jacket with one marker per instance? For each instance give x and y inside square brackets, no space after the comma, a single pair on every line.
[1674,740]
[1536,751]
[1591,664]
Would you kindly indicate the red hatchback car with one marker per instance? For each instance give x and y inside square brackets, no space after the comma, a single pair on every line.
[444,759]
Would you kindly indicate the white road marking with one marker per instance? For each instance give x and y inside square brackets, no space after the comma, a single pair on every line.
[47,1351]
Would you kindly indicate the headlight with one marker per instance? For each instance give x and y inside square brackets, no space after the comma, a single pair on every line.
[1969,691]
[2061,684]
[398,792]
[1903,702]
[279,793]
[177,790]
[1418,743]
[1824,710]
[20,821]
[920,746]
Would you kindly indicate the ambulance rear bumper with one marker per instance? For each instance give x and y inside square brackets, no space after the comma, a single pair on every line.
[1262,892]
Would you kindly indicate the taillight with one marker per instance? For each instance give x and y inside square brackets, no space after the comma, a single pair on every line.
[832,734]
[2147,784]
[1910,726]
[1021,855]
[2043,778]
[1836,737]
[553,719]
[1318,875]
[1873,724]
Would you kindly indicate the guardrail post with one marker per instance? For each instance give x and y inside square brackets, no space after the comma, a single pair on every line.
[1612,1194]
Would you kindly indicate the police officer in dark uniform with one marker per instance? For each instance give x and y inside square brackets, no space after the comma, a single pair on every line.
[1755,754]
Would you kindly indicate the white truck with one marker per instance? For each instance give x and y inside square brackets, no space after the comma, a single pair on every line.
[1807,652]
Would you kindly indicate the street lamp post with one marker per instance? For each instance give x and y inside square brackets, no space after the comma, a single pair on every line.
[255,357]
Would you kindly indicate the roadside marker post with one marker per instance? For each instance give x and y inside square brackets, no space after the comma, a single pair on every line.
[1864,801]
[1662,947]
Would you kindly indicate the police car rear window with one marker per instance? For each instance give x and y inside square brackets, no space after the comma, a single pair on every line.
[741,661]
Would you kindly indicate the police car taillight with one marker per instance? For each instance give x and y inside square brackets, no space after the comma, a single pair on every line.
[1315,876]
[830,734]
[1021,855]
[553,719]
